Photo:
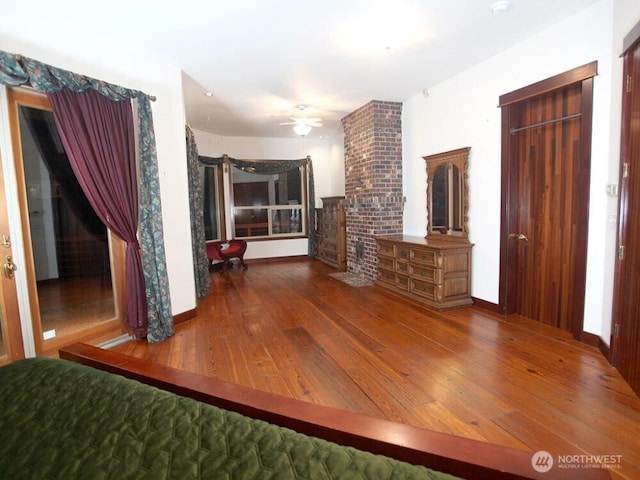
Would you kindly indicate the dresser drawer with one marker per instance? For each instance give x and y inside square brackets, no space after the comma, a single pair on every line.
[386,263]
[329,227]
[402,267]
[424,289]
[426,274]
[425,257]
[332,259]
[386,276]
[402,282]
[403,253]
[328,251]
[385,249]
[330,242]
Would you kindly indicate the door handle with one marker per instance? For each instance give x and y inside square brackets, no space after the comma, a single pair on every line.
[9,267]
[519,236]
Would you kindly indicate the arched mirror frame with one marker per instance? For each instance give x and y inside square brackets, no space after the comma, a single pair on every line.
[457,158]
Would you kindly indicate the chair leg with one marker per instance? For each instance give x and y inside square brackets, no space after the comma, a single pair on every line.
[227,262]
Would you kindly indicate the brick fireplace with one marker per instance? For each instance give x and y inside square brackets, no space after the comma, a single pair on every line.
[373,181]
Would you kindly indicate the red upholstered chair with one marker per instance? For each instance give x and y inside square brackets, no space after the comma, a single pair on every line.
[224,251]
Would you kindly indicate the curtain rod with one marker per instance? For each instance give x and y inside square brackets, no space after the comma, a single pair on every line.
[514,130]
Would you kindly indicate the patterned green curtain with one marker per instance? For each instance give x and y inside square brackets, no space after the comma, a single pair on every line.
[18,70]
[160,326]
[211,161]
[198,241]
[270,167]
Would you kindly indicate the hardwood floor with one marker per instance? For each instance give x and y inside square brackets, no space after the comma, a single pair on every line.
[72,305]
[289,328]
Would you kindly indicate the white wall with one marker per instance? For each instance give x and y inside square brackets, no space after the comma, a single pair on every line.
[121,65]
[328,169]
[462,111]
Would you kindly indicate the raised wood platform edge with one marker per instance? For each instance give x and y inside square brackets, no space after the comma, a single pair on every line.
[458,456]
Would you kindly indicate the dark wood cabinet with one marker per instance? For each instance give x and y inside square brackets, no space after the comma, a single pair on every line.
[433,272]
[331,233]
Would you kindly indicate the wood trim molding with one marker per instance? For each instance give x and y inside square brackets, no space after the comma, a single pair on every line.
[630,39]
[463,457]
[292,258]
[596,341]
[492,307]
[184,316]
[562,80]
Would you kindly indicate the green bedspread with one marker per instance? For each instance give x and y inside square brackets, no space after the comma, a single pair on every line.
[63,420]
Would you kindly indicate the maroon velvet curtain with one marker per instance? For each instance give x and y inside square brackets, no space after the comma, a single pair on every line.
[98,136]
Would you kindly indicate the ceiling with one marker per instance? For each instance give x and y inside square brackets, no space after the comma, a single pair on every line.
[259,59]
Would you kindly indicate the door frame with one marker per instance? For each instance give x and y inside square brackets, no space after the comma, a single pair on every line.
[27,291]
[630,41]
[9,310]
[15,224]
[509,198]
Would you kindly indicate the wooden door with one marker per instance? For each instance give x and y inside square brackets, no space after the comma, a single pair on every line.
[546,164]
[11,346]
[625,341]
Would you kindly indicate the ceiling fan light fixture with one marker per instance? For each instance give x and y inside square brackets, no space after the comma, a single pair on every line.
[301,129]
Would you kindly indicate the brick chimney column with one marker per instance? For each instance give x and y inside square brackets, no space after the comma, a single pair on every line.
[373,202]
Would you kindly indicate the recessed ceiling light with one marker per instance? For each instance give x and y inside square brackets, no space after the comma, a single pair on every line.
[208,94]
[500,6]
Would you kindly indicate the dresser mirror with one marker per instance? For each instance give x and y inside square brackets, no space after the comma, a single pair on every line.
[447,199]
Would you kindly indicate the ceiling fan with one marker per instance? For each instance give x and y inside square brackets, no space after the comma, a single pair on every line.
[302,125]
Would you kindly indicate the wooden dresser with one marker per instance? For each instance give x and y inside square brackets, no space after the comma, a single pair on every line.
[434,272]
[331,233]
